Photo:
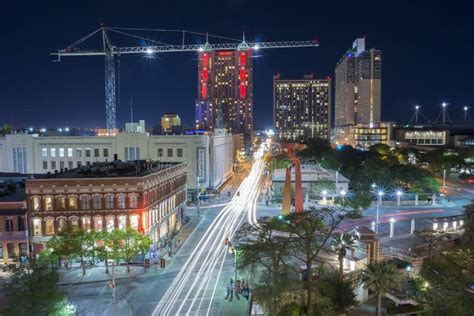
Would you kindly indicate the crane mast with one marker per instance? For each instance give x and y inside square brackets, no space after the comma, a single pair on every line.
[110,52]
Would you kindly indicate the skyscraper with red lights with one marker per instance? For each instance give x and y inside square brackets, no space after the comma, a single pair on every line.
[225,82]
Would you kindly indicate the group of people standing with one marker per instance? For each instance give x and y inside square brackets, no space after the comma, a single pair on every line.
[240,287]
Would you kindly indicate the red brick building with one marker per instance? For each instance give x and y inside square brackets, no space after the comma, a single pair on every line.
[149,197]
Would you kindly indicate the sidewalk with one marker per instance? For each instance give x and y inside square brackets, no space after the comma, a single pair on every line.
[97,274]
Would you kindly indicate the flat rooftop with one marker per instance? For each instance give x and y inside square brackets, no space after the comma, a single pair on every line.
[12,191]
[115,169]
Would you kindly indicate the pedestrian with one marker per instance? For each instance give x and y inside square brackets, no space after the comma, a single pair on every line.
[230,291]
[237,289]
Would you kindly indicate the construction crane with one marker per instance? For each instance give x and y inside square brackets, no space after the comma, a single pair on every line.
[111,52]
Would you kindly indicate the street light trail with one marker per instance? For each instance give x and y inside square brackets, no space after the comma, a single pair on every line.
[186,294]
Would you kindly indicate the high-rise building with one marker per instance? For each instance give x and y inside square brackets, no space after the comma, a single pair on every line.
[301,108]
[358,90]
[225,82]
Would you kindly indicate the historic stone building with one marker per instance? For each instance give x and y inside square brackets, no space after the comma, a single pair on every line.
[149,197]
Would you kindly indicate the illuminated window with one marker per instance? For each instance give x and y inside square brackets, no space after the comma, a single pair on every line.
[122,221]
[110,223]
[60,203]
[53,152]
[61,223]
[74,222]
[36,201]
[44,152]
[49,226]
[134,221]
[37,229]
[86,223]
[98,224]
[48,203]
[69,152]
[61,152]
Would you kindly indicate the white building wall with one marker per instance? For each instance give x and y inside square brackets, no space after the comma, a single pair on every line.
[210,156]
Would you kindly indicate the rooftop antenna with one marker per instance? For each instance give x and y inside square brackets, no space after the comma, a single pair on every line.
[415,117]
[131,110]
[443,114]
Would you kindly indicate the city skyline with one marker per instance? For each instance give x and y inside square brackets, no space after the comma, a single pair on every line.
[44,93]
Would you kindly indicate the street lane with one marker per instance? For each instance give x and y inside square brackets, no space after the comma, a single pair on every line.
[194,289]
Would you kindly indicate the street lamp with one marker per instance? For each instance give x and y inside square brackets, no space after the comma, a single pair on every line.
[325,192]
[380,195]
[399,194]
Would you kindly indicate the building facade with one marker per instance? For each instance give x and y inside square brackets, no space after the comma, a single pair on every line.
[209,156]
[358,91]
[225,82]
[149,197]
[301,108]
[13,222]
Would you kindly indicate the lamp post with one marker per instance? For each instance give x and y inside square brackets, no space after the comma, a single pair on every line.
[392,227]
[399,196]
[380,195]
[324,192]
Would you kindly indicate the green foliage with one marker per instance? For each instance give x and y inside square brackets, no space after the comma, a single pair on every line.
[291,309]
[341,243]
[468,236]
[360,200]
[379,277]
[6,129]
[129,243]
[73,243]
[32,290]
[449,277]
[338,290]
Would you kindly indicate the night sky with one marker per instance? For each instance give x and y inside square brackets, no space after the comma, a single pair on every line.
[428,55]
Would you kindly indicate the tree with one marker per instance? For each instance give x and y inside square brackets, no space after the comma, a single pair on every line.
[73,243]
[262,246]
[360,200]
[449,277]
[32,290]
[378,277]
[341,243]
[431,239]
[468,236]
[308,232]
[338,290]
[131,242]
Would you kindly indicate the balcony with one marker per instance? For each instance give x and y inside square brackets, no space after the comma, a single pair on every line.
[14,235]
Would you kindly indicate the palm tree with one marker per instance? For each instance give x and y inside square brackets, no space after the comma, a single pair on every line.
[341,243]
[379,276]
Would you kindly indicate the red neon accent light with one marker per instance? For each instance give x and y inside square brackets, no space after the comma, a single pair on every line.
[242,74]
[204,75]
[204,91]
[242,90]
[205,59]
[243,59]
